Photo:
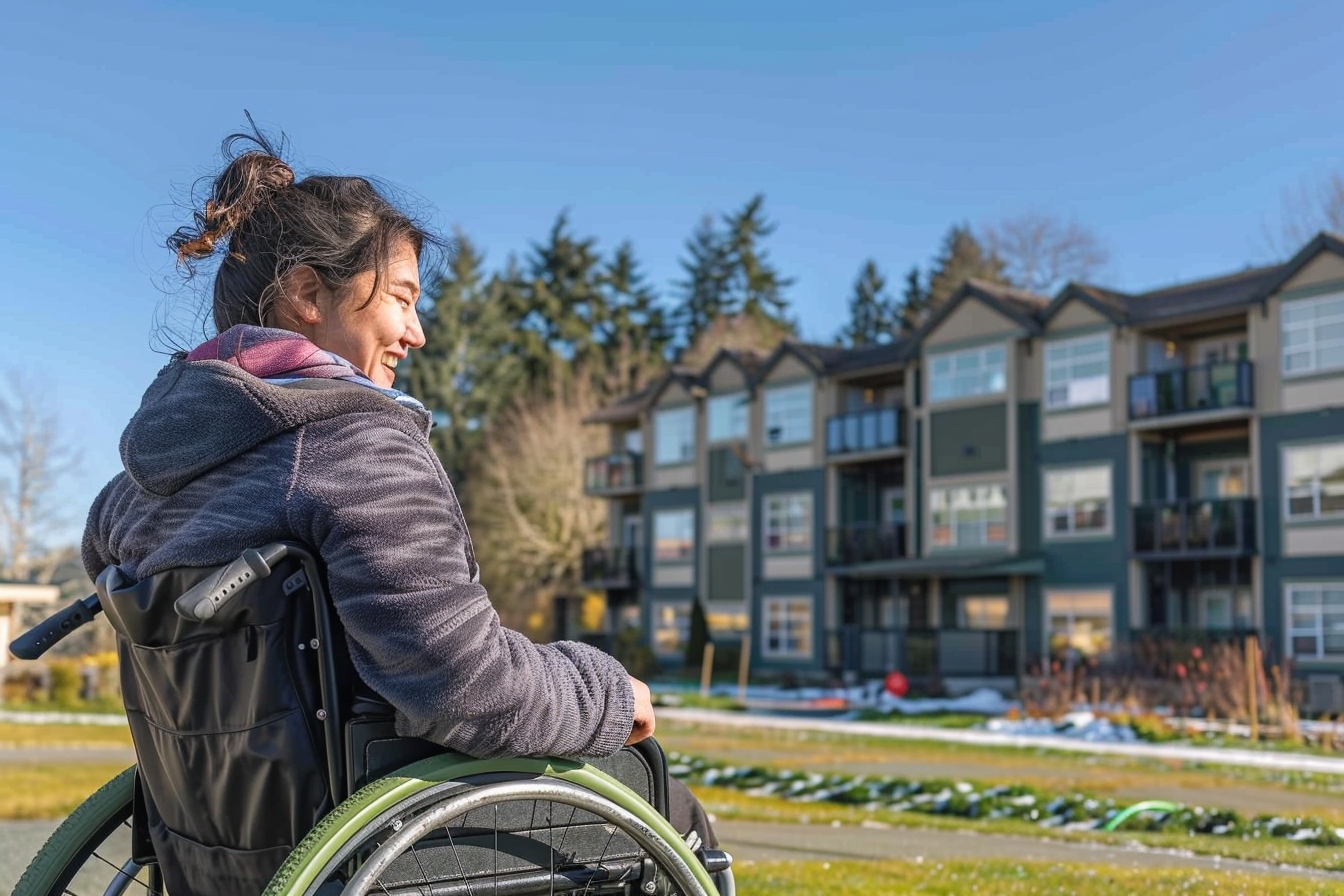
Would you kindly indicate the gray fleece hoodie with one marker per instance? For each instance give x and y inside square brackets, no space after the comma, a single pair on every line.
[217,461]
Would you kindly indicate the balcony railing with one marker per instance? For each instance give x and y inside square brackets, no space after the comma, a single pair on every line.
[1194,528]
[864,543]
[876,429]
[613,473]
[1208,387]
[924,653]
[609,568]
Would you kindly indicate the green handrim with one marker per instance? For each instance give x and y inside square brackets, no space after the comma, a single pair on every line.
[90,818]
[316,850]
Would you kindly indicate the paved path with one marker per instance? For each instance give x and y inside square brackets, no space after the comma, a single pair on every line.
[1304,762]
[757,841]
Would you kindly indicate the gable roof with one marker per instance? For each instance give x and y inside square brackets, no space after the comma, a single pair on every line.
[1112,305]
[1325,241]
[1018,305]
[1226,293]
[631,406]
[748,362]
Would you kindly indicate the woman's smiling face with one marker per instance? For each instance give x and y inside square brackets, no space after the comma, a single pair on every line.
[376,336]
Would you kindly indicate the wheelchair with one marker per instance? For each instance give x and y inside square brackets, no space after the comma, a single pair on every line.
[285,775]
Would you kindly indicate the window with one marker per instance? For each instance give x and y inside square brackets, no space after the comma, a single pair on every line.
[1078,501]
[1078,372]
[728,523]
[788,415]
[671,627]
[985,612]
[964,374]
[787,633]
[1314,477]
[1313,335]
[726,618]
[788,523]
[728,417]
[1316,620]
[1079,621]
[674,436]
[971,516]
[673,536]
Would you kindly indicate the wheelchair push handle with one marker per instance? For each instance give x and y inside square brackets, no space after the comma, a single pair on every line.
[206,598]
[42,637]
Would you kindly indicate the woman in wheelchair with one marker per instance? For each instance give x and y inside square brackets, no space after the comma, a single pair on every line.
[254,711]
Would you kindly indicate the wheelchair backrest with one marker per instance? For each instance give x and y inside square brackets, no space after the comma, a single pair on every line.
[224,714]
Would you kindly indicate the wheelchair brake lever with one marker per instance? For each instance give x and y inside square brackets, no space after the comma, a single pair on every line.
[206,598]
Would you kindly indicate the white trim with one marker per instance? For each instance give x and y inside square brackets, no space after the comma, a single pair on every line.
[1311,347]
[1289,517]
[983,370]
[1066,346]
[690,551]
[1046,593]
[810,524]
[742,408]
[785,604]
[789,393]
[685,450]
[1318,629]
[1107,530]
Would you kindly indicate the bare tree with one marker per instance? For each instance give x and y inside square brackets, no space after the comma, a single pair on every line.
[1042,252]
[33,457]
[529,517]
[1311,207]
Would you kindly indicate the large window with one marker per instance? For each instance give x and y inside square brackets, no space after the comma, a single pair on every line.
[1313,334]
[788,523]
[728,417]
[1316,620]
[1078,372]
[674,436]
[979,371]
[788,415]
[971,516]
[1078,501]
[787,632]
[1314,481]
[673,536]
[1079,621]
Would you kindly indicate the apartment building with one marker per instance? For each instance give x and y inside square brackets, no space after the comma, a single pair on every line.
[1024,477]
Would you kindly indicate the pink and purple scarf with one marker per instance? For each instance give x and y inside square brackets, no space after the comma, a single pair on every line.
[281,357]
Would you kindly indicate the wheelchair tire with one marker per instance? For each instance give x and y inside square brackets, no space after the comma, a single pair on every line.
[84,855]
[369,842]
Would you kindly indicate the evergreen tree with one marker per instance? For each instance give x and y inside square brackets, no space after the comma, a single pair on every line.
[914,305]
[962,257]
[563,301]
[636,335]
[698,636]
[705,293]
[755,284]
[872,312]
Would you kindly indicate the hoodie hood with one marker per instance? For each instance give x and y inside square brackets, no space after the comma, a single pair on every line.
[197,415]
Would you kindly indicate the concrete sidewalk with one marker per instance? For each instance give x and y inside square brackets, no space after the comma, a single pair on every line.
[1283,761]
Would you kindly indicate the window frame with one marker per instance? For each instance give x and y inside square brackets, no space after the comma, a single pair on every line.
[1067,345]
[660,418]
[726,511]
[781,605]
[983,369]
[952,523]
[1072,613]
[1290,518]
[689,556]
[1312,346]
[743,397]
[681,610]
[786,543]
[775,393]
[1047,522]
[1318,631]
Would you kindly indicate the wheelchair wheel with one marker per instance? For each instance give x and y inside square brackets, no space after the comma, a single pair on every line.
[90,852]
[449,826]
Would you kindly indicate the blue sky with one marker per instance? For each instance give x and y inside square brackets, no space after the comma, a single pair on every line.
[1171,129]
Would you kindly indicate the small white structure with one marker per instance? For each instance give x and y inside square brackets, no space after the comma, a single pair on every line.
[14,595]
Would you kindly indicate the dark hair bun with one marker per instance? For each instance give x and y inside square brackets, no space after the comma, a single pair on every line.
[249,181]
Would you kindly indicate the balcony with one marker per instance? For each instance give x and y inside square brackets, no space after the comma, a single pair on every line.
[924,653]
[1188,390]
[609,568]
[864,543]
[860,432]
[620,473]
[1190,528]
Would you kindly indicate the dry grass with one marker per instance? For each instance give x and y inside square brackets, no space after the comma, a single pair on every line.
[13,734]
[31,790]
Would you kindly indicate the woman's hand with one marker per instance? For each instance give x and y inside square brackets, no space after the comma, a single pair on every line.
[643,726]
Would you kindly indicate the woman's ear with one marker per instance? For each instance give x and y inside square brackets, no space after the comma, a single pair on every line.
[302,292]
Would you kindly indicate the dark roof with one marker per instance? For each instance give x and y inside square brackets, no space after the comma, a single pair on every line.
[1018,305]
[747,361]
[1224,293]
[631,406]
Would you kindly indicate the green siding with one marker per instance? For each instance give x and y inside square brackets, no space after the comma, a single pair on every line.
[727,573]
[1029,453]
[1275,433]
[727,477]
[970,440]
[763,484]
